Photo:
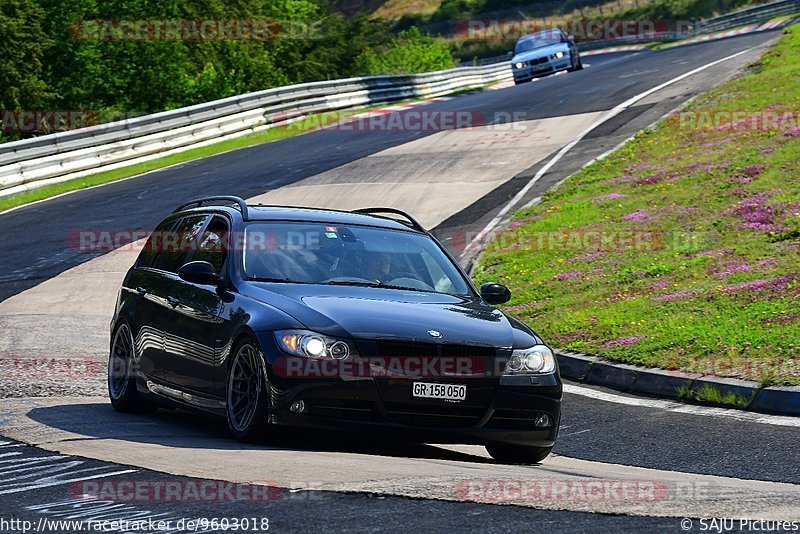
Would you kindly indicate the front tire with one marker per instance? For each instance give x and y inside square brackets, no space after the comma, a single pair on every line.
[517,454]
[246,403]
[121,377]
[575,66]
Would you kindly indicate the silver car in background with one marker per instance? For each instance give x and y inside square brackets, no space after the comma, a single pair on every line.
[544,53]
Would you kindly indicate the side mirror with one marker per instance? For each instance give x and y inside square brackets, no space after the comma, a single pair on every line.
[199,272]
[510,53]
[571,39]
[495,293]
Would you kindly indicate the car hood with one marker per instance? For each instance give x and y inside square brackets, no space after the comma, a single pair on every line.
[373,313]
[539,52]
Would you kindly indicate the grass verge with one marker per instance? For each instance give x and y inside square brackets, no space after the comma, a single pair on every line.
[709,395]
[681,250]
[712,396]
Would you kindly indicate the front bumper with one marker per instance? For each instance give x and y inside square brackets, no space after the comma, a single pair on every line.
[361,406]
[529,72]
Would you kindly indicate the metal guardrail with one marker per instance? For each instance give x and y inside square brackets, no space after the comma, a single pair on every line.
[66,155]
[752,15]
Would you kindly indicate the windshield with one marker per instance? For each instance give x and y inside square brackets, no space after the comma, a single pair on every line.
[538,41]
[310,253]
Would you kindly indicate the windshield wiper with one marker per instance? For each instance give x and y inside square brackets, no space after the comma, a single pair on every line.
[275,280]
[406,288]
[375,283]
[366,283]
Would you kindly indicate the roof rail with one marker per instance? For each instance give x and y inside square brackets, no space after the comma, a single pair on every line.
[196,203]
[409,218]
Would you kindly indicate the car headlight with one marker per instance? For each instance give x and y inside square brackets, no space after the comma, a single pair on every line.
[313,345]
[536,359]
[557,55]
[519,65]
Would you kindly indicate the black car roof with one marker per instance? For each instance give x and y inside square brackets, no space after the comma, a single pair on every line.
[305,214]
[323,215]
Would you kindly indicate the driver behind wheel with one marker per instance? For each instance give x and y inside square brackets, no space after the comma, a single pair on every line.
[380,265]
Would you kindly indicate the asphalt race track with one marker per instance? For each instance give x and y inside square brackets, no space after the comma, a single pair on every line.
[141,202]
[702,462]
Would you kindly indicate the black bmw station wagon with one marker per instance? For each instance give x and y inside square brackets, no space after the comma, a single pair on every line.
[329,320]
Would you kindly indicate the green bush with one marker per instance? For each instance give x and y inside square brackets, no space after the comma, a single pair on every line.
[409,52]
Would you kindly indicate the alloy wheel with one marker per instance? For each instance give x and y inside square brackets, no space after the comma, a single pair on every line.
[244,387]
[120,362]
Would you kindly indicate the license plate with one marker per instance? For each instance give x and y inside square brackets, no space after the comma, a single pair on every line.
[439,391]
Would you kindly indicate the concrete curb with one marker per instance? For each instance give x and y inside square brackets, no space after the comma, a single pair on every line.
[665,383]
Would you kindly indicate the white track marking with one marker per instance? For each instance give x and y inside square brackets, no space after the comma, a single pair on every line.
[679,407]
[574,433]
[560,154]
[19,473]
[46,482]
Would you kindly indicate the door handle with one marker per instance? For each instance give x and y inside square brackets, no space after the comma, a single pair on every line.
[141,290]
[173,301]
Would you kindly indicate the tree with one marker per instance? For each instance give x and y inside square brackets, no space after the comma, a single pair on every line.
[22,47]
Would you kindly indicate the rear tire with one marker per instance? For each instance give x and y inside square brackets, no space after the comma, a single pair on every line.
[121,376]
[517,454]
[246,393]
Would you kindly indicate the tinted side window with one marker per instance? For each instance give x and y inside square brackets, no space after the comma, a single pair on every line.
[213,244]
[153,244]
[177,243]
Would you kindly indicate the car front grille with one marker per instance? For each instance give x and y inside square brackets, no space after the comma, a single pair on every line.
[344,409]
[441,359]
[441,416]
[401,413]
[412,349]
